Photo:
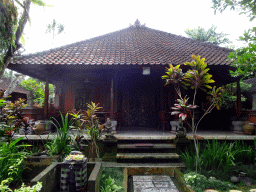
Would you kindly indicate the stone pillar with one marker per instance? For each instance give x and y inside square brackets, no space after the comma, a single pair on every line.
[46,99]
[254,101]
[238,101]
[112,100]
[30,102]
[57,94]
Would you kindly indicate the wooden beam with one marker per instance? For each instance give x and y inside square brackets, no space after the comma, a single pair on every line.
[46,99]
[112,99]
[238,100]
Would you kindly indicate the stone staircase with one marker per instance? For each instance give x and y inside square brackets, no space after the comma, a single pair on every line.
[146,151]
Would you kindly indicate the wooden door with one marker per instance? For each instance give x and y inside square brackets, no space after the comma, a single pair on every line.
[139,99]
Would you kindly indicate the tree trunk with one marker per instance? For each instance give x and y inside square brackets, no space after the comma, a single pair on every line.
[22,22]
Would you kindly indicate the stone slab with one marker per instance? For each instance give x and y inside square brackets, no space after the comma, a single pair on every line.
[155,146]
[153,183]
[147,155]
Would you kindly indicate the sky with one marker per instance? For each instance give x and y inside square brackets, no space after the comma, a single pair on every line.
[85,19]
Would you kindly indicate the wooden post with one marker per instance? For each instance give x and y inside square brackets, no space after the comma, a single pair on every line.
[112,100]
[46,99]
[238,100]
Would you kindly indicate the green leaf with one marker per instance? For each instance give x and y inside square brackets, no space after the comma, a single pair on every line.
[22,39]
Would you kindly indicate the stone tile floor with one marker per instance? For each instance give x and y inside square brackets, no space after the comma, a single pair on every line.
[153,183]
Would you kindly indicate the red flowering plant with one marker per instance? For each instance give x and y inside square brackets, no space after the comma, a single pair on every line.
[197,77]
[11,117]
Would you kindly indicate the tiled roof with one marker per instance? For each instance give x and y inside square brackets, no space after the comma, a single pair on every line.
[5,82]
[136,44]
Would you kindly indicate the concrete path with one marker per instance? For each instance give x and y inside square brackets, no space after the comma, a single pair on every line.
[153,183]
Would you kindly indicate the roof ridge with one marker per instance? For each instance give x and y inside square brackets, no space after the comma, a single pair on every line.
[136,26]
[197,41]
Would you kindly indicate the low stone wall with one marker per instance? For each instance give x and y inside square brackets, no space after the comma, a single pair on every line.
[93,184]
[50,177]
[180,183]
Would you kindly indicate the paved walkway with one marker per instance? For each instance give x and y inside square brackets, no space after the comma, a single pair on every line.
[153,183]
[152,133]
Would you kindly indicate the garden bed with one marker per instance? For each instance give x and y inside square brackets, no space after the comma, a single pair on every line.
[219,161]
[50,177]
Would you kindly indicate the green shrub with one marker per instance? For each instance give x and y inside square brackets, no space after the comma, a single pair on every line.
[199,183]
[11,158]
[61,142]
[5,188]
[112,179]
[108,184]
[223,156]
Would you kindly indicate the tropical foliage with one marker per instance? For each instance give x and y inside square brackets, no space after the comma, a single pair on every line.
[88,121]
[38,88]
[243,59]
[228,94]
[247,7]
[209,35]
[61,144]
[11,117]
[200,183]
[12,24]
[52,27]
[197,77]
[112,179]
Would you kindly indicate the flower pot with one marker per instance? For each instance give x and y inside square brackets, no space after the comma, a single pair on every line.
[114,124]
[238,126]
[248,128]
[174,125]
[39,127]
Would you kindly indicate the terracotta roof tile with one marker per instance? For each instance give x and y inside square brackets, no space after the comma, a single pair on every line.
[5,82]
[133,45]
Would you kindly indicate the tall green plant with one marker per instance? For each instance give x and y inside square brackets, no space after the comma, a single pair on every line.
[61,142]
[89,121]
[197,77]
[11,157]
[224,156]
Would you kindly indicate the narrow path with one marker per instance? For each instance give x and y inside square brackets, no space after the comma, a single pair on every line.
[153,183]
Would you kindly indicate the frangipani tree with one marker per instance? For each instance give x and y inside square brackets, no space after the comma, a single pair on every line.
[197,77]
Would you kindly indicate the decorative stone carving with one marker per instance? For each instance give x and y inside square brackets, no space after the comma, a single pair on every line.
[109,129]
[30,102]
[254,102]
[181,131]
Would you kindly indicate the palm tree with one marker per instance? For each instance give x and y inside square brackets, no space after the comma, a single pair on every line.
[52,27]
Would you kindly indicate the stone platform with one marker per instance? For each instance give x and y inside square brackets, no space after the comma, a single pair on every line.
[144,133]
[153,183]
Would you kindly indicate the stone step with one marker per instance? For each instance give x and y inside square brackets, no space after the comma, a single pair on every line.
[145,140]
[143,165]
[173,156]
[146,146]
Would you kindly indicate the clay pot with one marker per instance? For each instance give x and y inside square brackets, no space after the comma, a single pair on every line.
[248,128]
[39,127]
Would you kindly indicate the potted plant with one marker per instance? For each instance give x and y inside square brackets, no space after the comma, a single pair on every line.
[61,143]
[89,122]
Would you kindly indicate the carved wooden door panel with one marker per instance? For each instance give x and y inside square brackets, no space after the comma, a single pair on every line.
[138,103]
[83,97]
